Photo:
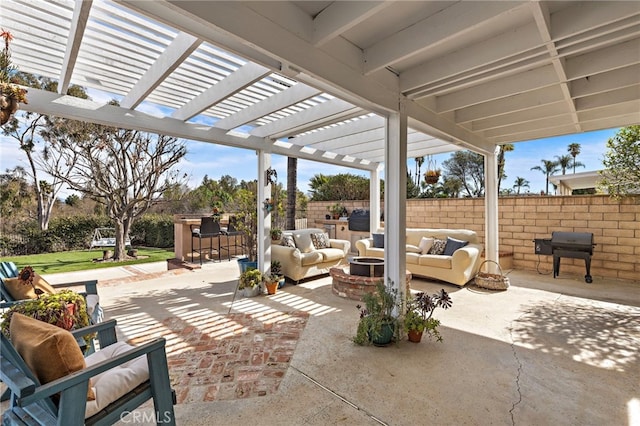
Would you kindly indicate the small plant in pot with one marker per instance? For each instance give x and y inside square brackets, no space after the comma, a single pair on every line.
[276,234]
[419,316]
[250,281]
[271,282]
[378,324]
[276,269]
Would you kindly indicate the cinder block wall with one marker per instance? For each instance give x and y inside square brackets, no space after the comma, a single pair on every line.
[614,224]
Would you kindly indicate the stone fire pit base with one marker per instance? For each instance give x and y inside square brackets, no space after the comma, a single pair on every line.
[354,286]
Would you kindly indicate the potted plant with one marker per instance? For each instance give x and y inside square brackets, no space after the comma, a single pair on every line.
[10,94]
[245,206]
[66,309]
[419,315]
[432,176]
[276,234]
[276,269]
[271,282]
[378,324]
[336,210]
[249,282]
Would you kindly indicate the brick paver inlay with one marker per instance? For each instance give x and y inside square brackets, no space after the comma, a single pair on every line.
[231,356]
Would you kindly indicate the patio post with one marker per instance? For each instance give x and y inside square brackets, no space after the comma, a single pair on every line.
[491,207]
[264,217]
[395,197]
[374,199]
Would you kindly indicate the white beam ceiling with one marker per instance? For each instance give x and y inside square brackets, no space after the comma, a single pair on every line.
[300,77]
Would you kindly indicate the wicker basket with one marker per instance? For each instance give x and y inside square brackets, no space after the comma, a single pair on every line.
[491,281]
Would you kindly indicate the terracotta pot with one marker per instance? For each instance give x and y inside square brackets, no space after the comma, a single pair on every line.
[66,319]
[414,336]
[272,287]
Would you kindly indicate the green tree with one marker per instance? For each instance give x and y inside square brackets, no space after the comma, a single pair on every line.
[520,182]
[508,147]
[31,133]
[14,193]
[548,168]
[468,168]
[419,163]
[292,192]
[344,186]
[566,161]
[621,176]
[574,151]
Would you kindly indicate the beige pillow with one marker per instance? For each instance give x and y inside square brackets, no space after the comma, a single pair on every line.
[20,291]
[425,244]
[303,242]
[49,351]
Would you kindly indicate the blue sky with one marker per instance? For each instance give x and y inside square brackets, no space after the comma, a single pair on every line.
[217,160]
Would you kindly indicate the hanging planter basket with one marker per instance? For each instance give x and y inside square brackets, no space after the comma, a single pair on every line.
[8,106]
[432,176]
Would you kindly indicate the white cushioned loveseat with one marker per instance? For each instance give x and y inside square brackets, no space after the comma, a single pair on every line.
[307,254]
[458,266]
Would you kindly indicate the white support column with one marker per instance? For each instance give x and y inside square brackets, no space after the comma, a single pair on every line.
[395,198]
[264,217]
[491,208]
[374,200]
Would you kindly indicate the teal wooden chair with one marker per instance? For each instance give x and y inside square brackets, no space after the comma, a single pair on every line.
[31,403]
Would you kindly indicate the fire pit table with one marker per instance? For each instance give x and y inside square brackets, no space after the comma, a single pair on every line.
[361,277]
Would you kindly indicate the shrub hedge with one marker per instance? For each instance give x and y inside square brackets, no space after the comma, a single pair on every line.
[76,232]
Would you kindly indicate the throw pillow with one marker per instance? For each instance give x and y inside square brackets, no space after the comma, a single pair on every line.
[303,242]
[20,291]
[288,241]
[378,240]
[438,246]
[320,240]
[425,244]
[49,351]
[453,245]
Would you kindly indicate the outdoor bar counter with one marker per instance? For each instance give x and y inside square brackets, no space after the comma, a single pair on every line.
[182,224]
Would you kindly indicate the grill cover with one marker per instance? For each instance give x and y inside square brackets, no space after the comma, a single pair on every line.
[359,220]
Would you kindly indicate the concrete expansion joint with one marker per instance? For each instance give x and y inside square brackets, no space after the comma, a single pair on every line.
[340,397]
[515,355]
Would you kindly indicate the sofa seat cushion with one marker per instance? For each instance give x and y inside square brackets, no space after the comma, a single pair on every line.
[331,254]
[311,258]
[436,261]
[118,381]
[413,258]
[375,252]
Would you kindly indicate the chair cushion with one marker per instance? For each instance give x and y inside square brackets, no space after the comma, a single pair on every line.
[436,261]
[20,291]
[49,351]
[115,382]
[453,245]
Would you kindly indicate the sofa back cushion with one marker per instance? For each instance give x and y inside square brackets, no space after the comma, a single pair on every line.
[303,240]
[414,235]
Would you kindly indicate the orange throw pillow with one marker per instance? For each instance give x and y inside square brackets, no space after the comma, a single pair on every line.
[20,291]
[49,351]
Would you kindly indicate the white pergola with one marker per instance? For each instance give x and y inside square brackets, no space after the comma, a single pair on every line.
[362,84]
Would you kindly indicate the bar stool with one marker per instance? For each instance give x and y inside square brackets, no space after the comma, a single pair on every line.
[209,228]
[231,231]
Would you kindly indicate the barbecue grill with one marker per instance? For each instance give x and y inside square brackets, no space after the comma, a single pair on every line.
[575,245]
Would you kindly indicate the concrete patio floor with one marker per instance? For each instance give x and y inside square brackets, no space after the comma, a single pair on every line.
[546,351]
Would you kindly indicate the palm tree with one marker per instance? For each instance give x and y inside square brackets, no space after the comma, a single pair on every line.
[419,163]
[520,183]
[574,150]
[566,161]
[508,147]
[292,178]
[548,168]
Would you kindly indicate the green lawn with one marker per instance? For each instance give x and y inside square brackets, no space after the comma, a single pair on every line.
[69,261]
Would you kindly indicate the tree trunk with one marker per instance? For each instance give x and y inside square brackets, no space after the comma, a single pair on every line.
[119,252]
[292,178]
